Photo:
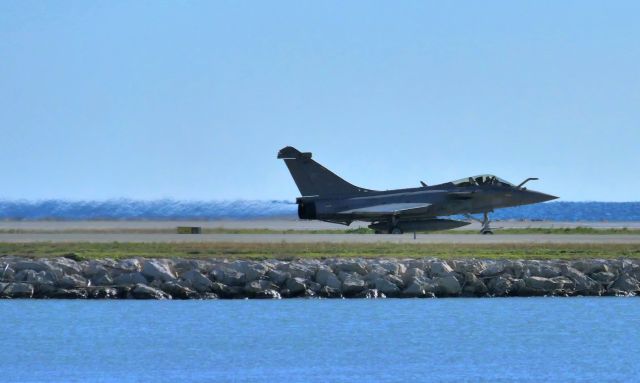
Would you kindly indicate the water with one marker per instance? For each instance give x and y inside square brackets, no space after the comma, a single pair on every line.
[524,339]
[168,209]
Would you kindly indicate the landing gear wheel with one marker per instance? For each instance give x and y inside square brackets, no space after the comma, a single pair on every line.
[395,230]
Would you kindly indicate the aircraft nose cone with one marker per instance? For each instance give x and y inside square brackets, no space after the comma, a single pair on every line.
[536,197]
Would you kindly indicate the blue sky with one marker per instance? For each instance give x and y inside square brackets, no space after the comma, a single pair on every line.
[192,100]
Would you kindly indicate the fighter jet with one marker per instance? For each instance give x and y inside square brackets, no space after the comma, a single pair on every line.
[327,197]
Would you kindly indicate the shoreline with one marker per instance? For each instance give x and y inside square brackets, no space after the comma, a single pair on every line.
[216,278]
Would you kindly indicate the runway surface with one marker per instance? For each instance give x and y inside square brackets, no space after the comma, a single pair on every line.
[124,231]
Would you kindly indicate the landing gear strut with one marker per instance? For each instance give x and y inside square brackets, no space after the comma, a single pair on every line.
[486,229]
[394,228]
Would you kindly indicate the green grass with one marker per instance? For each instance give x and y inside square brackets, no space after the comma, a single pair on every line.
[319,250]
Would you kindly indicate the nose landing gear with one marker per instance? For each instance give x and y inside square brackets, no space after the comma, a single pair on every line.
[486,227]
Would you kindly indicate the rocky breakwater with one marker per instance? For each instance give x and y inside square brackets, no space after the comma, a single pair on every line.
[140,278]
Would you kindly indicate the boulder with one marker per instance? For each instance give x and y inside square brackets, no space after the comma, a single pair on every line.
[101,280]
[158,269]
[352,284]
[278,276]
[256,287]
[448,285]
[69,266]
[141,291]
[473,285]
[545,285]
[328,292]
[178,290]
[72,281]
[130,279]
[410,274]
[251,270]
[296,285]
[393,267]
[30,265]
[604,277]
[326,277]
[128,265]
[197,280]
[440,269]
[582,284]
[18,290]
[386,287]
[626,283]
[297,270]
[492,269]
[352,266]
[499,286]
[229,277]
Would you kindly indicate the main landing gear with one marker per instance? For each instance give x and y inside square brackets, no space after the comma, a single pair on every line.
[486,227]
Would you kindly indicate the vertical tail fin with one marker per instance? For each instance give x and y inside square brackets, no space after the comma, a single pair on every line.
[314,179]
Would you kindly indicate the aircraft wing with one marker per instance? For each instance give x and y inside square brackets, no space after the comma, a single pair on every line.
[389,209]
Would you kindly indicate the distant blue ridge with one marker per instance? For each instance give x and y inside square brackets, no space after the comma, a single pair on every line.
[129,209]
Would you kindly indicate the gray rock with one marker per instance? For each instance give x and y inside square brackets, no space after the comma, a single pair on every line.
[259,286]
[296,285]
[101,280]
[229,277]
[499,286]
[604,277]
[473,285]
[492,269]
[448,285]
[626,284]
[130,265]
[386,287]
[7,274]
[72,281]
[393,267]
[352,266]
[328,292]
[326,277]
[130,279]
[251,270]
[415,289]
[278,277]
[198,281]
[296,270]
[544,284]
[158,269]
[582,283]
[440,269]
[69,266]
[30,265]
[412,273]
[18,290]
[141,291]
[178,290]
[352,285]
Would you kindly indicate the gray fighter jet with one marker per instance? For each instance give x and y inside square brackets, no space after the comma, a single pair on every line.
[327,197]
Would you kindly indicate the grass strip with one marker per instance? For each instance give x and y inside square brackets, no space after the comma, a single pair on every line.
[118,250]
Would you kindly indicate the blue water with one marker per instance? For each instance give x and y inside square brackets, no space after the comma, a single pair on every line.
[126,209]
[393,340]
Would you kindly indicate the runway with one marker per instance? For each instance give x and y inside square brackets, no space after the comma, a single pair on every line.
[325,238]
[164,232]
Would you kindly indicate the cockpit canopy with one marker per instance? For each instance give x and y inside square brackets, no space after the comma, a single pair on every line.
[483,179]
